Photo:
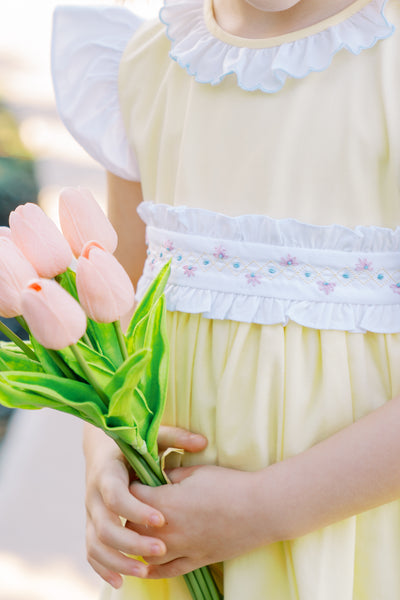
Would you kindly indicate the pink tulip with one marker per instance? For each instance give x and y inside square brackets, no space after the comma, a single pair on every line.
[54,317]
[38,238]
[82,220]
[5,232]
[104,288]
[15,272]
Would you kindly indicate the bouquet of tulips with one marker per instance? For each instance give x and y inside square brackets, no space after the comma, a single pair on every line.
[77,359]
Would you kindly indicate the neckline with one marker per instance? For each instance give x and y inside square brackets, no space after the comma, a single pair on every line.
[242,42]
[209,54]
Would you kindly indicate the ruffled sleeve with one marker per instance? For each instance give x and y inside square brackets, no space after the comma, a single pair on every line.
[87,46]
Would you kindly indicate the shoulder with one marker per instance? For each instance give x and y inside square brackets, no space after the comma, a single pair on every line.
[87,46]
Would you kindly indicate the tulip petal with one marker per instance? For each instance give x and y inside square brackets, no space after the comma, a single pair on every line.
[104,288]
[5,232]
[54,317]
[15,272]
[40,240]
[82,220]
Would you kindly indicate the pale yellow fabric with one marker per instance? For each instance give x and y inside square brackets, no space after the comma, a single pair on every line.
[324,149]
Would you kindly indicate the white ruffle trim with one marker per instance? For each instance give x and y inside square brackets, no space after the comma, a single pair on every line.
[193,295]
[265,230]
[355,318]
[209,59]
[87,46]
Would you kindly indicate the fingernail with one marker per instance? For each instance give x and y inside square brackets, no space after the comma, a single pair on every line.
[156,550]
[115,582]
[156,520]
[138,571]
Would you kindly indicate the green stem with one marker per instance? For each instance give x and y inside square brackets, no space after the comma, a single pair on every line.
[17,340]
[90,377]
[196,589]
[61,364]
[23,323]
[121,339]
[142,470]
[210,583]
[154,466]
[188,581]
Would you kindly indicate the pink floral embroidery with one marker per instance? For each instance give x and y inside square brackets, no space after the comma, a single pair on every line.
[289,261]
[189,270]
[253,279]
[220,253]
[396,288]
[168,245]
[364,265]
[326,287]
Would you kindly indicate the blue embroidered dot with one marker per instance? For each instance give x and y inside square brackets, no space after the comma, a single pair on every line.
[236,265]
[289,262]
[346,275]
[206,262]
[148,252]
[380,276]
[398,285]
[179,257]
[272,270]
[308,274]
[161,254]
[366,267]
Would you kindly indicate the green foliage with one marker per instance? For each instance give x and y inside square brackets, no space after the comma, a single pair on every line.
[13,359]
[133,391]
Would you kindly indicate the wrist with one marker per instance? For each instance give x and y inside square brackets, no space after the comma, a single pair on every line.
[269,505]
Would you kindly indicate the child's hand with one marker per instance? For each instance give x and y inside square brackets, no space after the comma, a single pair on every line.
[108,498]
[211,514]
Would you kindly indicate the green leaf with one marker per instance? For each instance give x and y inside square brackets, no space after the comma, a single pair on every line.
[50,391]
[153,293]
[154,383]
[129,373]
[68,281]
[102,368]
[106,341]
[128,407]
[48,364]
[128,434]
[12,359]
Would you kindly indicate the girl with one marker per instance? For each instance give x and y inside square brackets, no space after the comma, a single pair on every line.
[266,138]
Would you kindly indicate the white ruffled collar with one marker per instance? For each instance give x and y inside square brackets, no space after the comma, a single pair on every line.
[209,54]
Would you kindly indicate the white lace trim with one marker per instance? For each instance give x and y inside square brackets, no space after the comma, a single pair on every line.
[87,46]
[209,59]
[256,269]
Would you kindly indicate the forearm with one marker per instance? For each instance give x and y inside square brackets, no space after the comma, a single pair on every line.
[123,200]
[353,471]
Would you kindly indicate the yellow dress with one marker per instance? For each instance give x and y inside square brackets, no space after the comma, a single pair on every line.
[301,128]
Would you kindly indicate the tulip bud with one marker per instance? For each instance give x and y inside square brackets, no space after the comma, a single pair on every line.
[54,317]
[82,220]
[104,288]
[40,241]
[5,232]
[15,272]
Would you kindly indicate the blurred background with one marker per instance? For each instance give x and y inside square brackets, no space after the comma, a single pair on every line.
[42,516]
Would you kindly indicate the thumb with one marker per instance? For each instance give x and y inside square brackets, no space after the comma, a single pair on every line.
[181,473]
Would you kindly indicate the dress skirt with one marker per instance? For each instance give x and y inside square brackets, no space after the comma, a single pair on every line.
[261,394]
